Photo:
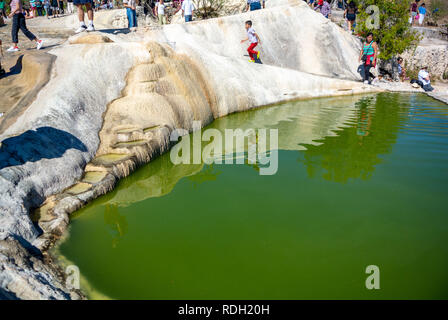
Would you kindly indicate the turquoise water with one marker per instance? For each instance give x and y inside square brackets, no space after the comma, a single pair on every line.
[361,181]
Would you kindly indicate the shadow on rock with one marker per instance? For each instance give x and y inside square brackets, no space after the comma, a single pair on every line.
[34,145]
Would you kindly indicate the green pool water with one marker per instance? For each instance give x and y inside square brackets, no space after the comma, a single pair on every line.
[361,181]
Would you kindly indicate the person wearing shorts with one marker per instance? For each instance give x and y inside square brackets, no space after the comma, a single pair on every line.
[54,8]
[414,10]
[87,4]
[350,15]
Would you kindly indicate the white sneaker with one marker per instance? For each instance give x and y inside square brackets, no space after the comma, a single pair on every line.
[366,82]
[81,29]
[39,44]
[13,49]
[90,28]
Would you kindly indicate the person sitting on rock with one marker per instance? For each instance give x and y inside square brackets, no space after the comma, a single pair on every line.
[425,79]
[88,5]
[254,5]
[401,69]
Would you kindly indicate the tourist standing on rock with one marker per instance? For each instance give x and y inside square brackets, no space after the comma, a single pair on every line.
[88,5]
[19,22]
[255,5]
[54,8]
[61,6]
[46,4]
[421,13]
[160,12]
[350,15]
[254,40]
[131,6]
[425,79]
[368,56]
[188,10]
[414,10]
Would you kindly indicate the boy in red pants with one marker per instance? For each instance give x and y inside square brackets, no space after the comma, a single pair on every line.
[254,40]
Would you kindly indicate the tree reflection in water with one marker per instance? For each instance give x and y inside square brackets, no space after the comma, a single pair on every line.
[356,150]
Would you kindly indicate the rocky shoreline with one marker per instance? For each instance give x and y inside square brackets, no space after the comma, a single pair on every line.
[112,102]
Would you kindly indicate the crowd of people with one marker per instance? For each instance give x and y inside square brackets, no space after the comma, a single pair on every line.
[368,55]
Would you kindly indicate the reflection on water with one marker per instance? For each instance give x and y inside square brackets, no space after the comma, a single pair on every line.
[361,180]
[210,173]
[302,125]
[357,150]
[116,222]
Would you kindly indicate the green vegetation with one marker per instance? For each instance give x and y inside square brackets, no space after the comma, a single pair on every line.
[394,34]
[206,9]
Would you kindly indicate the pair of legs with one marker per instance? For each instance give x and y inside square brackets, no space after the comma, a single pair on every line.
[3,13]
[132,18]
[421,18]
[365,73]
[252,53]
[88,5]
[413,15]
[350,23]
[19,22]
[70,7]
[162,19]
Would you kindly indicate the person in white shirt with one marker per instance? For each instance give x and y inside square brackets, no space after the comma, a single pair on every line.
[254,40]
[160,12]
[188,10]
[425,79]
[131,6]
